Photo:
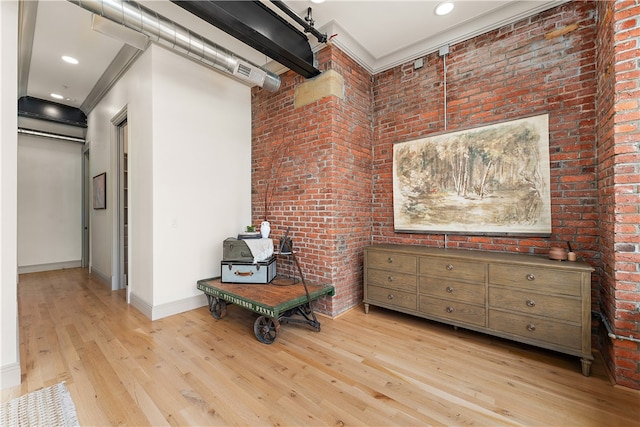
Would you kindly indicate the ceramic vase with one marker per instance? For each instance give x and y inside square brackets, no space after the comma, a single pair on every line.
[265,229]
[558,254]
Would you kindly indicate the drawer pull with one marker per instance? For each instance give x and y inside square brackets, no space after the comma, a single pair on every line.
[449,289]
[531,303]
[390,296]
[531,277]
[449,309]
[531,327]
[449,267]
[389,260]
[390,278]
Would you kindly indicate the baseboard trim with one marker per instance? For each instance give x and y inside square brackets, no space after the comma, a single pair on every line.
[180,306]
[37,268]
[101,277]
[10,375]
[141,305]
[168,309]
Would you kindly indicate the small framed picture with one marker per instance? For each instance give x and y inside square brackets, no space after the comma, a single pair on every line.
[100,191]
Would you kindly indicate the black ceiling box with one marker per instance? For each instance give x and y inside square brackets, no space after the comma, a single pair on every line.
[261,28]
[37,108]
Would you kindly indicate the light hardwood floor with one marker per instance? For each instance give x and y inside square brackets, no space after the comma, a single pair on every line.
[383,368]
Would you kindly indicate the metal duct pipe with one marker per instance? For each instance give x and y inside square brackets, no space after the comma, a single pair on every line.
[178,38]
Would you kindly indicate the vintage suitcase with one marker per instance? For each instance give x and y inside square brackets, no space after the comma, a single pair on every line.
[236,250]
[248,272]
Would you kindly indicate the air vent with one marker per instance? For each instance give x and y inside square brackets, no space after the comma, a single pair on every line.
[244,70]
[247,72]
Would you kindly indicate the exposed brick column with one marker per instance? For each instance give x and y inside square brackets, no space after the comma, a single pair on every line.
[618,139]
[323,188]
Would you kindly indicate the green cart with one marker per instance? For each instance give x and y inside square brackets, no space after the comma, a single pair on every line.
[276,304]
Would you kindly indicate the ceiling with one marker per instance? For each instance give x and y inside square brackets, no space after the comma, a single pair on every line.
[377,34]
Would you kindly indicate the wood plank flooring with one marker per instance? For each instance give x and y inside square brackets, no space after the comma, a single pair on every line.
[376,369]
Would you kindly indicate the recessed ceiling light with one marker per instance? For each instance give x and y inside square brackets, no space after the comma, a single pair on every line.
[317,1]
[444,8]
[56,96]
[69,59]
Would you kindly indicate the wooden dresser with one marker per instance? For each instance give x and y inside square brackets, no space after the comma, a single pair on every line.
[525,298]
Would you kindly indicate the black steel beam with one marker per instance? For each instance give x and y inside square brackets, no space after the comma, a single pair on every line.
[37,108]
[261,28]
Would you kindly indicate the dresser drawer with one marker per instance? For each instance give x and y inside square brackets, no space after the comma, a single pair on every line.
[452,269]
[532,329]
[536,278]
[392,261]
[391,297]
[526,302]
[391,279]
[452,310]
[452,290]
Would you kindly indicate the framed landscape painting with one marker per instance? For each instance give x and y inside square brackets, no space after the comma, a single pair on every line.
[488,180]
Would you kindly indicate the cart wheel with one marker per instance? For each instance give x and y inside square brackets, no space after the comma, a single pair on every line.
[217,307]
[266,329]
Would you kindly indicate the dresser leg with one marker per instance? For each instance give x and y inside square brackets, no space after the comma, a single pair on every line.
[586,367]
[366,308]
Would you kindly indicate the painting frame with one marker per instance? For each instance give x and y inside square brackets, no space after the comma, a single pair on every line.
[100,191]
[488,180]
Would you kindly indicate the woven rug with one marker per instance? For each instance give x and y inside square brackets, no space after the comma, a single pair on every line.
[47,407]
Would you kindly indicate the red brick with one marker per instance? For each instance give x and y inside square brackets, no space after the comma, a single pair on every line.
[340,180]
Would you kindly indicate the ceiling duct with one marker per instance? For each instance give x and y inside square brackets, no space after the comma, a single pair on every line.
[178,38]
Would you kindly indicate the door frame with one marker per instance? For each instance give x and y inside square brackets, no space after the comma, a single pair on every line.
[86,208]
[119,121]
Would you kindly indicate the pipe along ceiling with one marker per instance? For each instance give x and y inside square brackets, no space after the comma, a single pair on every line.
[249,21]
[180,39]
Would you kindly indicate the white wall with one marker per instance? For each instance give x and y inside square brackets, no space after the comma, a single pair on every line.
[201,172]
[49,203]
[133,93]
[9,356]
[189,176]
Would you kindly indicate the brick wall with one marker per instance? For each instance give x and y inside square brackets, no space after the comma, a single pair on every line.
[618,137]
[335,186]
[524,69]
[323,189]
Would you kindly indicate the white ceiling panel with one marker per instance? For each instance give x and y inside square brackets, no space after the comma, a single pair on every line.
[63,28]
